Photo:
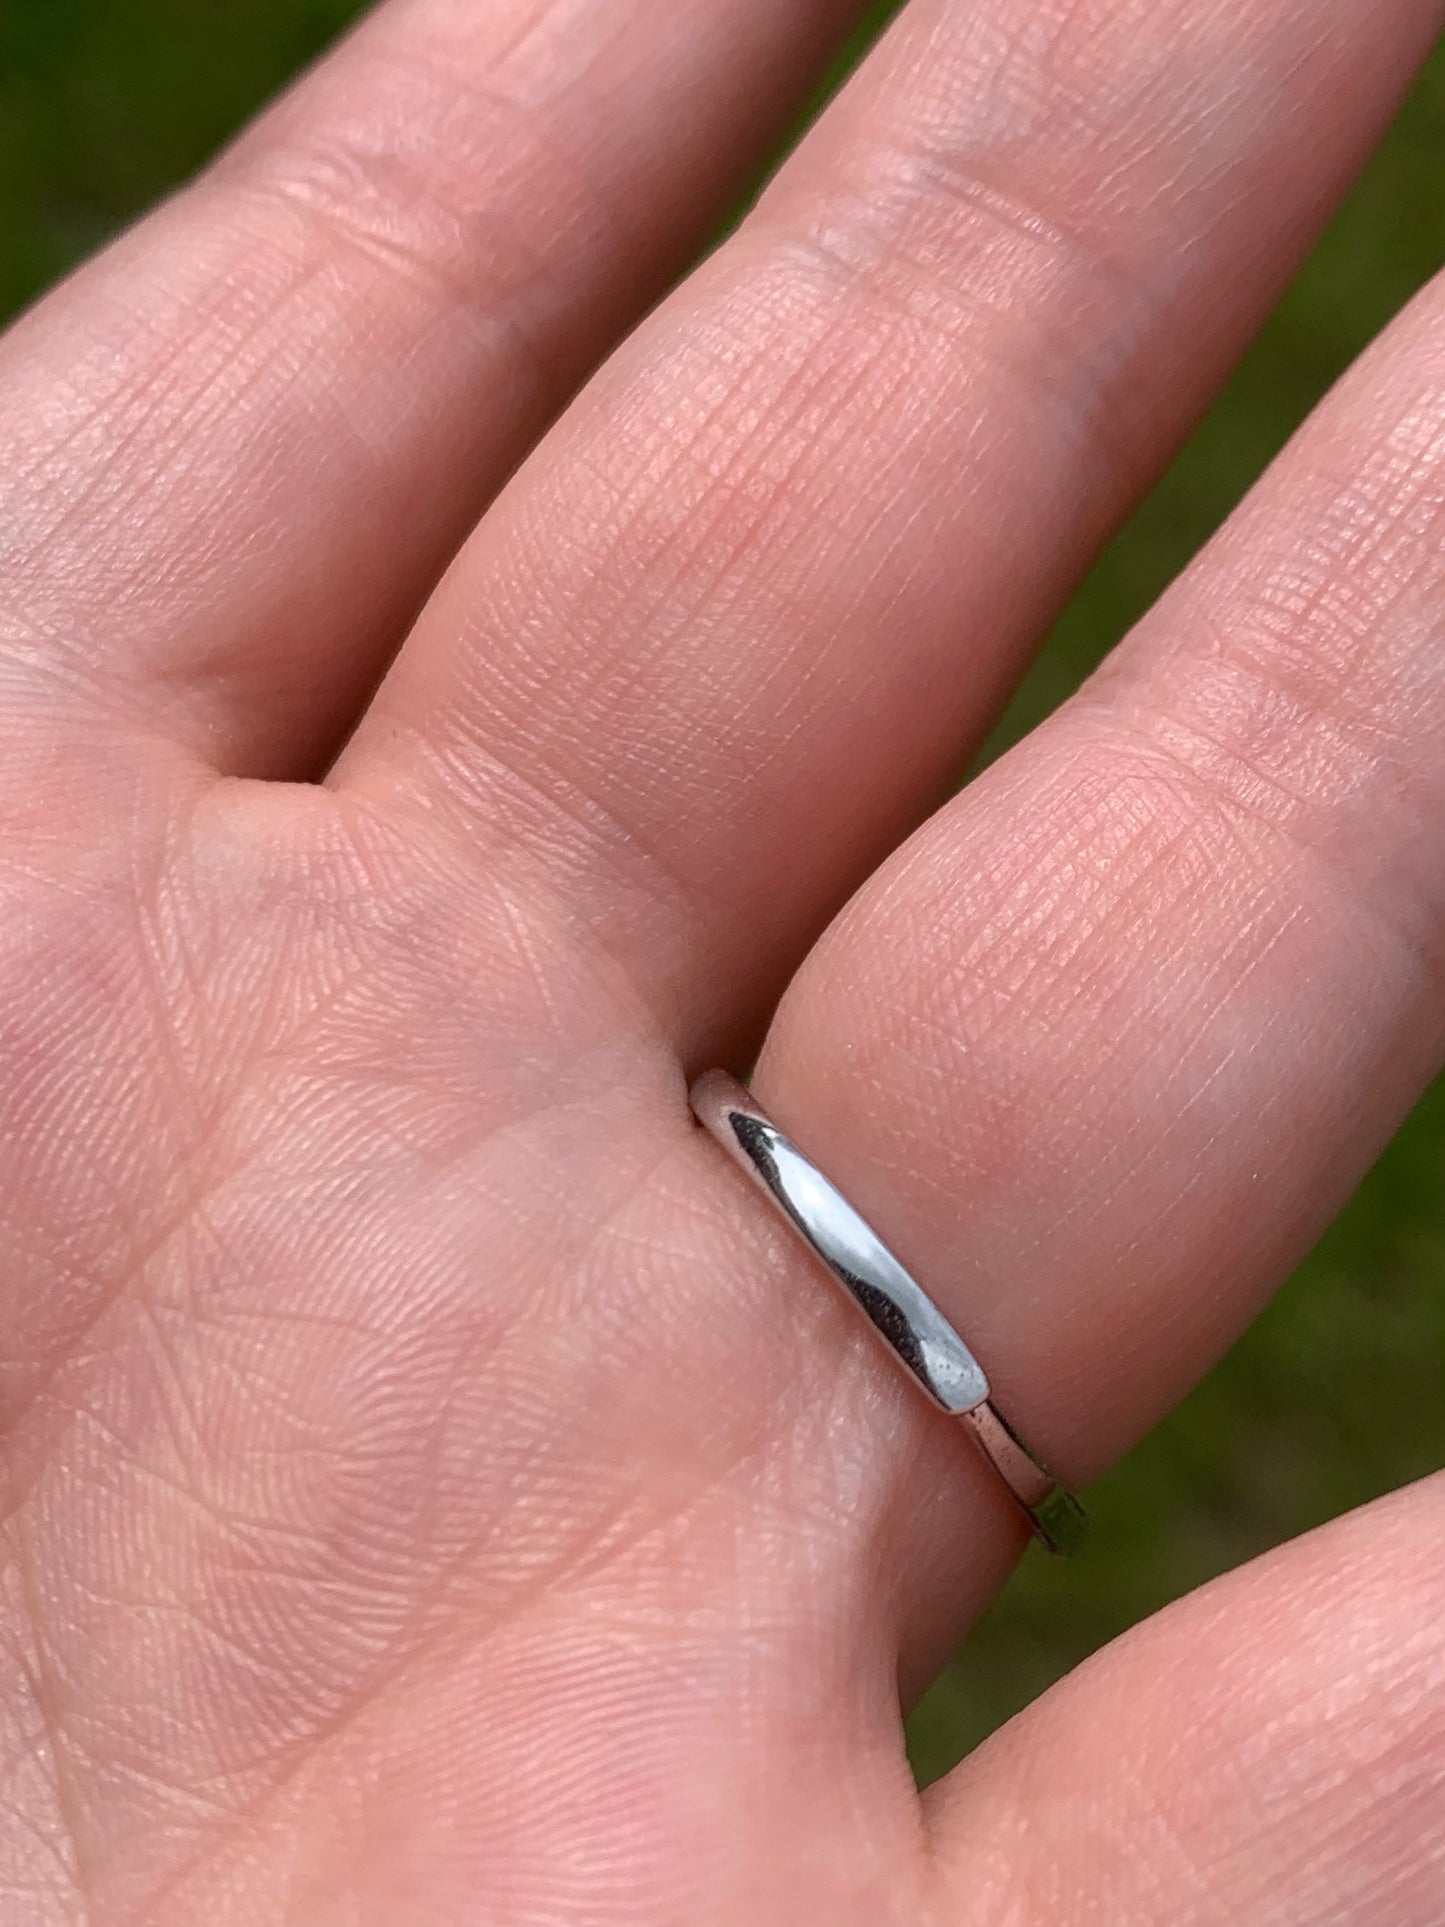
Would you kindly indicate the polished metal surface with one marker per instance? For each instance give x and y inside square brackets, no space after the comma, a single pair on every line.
[895,1304]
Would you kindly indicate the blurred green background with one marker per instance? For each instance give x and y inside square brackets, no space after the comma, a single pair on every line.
[1336,1394]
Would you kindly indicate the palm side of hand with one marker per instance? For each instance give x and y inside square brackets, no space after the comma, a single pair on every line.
[436,1491]
[378,1466]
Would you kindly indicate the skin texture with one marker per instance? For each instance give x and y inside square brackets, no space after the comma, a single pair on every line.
[434,1490]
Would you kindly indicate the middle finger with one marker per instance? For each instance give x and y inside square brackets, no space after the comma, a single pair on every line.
[737,622]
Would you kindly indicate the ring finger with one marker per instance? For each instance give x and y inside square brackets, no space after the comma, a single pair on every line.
[1129,1019]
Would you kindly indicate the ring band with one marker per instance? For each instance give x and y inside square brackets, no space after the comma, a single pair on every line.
[896,1305]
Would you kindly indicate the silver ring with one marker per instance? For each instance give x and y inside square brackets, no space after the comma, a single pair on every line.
[896,1305]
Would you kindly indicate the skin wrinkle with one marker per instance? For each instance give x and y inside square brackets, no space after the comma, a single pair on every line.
[1207,763]
[1341,762]
[971,158]
[37,1867]
[759,511]
[549,1587]
[1080,398]
[560,806]
[92,391]
[327,205]
[719,462]
[875,223]
[78,977]
[178,1378]
[149,1253]
[165,409]
[43,1697]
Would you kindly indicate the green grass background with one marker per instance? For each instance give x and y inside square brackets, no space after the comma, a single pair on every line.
[1336,1395]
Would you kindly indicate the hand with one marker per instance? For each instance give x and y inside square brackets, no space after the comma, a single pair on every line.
[437,1492]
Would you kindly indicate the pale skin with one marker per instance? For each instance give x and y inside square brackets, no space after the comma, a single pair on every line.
[435,1490]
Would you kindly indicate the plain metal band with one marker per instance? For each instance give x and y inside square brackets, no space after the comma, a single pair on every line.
[895,1304]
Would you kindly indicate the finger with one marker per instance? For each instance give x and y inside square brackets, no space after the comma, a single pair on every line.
[737,622]
[1271,1749]
[239,448]
[1109,1043]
